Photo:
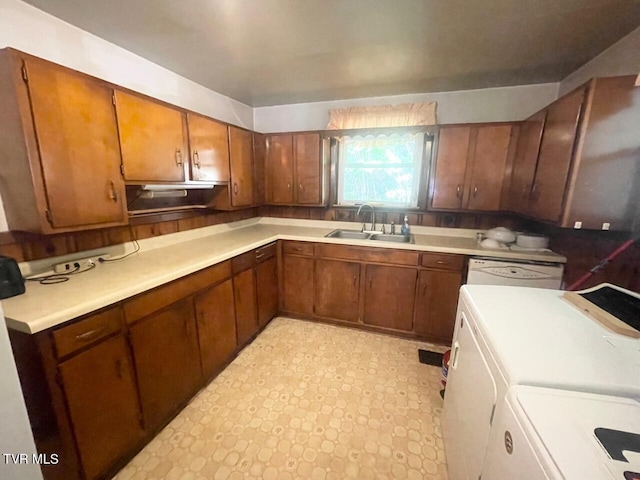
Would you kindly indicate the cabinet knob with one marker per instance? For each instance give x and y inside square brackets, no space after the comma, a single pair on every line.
[235,188]
[178,157]
[524,191]
[196,159]
[288,186]
[355,279]
[459,191]
[475,191]
[300,187]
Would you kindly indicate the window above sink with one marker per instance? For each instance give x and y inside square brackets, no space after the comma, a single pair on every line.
[382,169]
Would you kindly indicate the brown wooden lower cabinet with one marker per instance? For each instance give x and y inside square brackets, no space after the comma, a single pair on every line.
[244,292]
[103,404]
[389,296]
[298,284]
[436,303]
[337,289]
[215,313]
[167,360]
[267,290]
[406,292]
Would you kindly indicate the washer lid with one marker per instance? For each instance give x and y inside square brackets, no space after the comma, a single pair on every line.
[538,338]
[586,435]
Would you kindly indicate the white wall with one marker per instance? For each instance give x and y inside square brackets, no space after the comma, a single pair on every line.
[26,28]
[485,105]
[622,58]
[15,436]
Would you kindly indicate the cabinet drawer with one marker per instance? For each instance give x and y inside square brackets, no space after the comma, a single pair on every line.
[243,262]
[160,297]
[364,254]
[85,332]
[442,261]
[298,248]
[266,252]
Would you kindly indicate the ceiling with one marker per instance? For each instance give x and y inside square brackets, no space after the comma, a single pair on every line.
[270,52]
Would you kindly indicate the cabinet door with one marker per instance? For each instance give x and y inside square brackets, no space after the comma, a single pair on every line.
[524,166]
[337,287]
[436,304]
[241,156]
[451,164]
[280,169]
[556,152]
[389,297]
[267,290]
[298,284]
[306,149]
[259,168]
[209,148]
[167,358]
[489,157]
[151,138]
[244,292]
[216,327]
[78,144]
[103,404]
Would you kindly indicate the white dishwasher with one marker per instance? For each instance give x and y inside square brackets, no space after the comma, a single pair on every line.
[519,273]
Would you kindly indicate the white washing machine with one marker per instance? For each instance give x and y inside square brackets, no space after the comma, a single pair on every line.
[550,434]
[507,336]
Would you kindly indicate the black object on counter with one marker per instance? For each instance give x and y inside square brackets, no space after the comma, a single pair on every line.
[11,281]
[624,307]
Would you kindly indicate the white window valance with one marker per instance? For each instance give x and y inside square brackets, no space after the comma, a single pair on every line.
[402,115]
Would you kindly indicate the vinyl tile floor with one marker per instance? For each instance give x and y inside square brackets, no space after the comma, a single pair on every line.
[308,401]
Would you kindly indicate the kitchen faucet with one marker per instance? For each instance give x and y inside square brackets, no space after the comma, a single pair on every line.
[373,218]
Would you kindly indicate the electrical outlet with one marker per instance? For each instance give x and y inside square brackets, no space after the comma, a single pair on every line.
[79,264]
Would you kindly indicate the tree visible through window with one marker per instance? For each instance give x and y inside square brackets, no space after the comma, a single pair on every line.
[383,169]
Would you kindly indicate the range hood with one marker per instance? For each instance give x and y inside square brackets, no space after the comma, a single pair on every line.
[146,198]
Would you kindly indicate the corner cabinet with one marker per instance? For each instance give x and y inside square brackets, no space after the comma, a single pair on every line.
[295,169]
[60,164]
[470,165]
[577,161]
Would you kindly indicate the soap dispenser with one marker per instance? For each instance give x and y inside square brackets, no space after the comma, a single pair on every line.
[405,230]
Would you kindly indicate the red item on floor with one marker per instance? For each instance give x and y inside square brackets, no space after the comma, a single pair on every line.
[445,367]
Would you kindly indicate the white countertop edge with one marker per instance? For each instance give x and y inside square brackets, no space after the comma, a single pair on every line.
[321,228]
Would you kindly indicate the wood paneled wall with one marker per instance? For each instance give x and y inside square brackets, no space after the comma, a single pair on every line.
[342,214]
[26,247]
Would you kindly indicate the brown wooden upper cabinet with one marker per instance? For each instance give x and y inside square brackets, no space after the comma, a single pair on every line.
[60,154]
[524,165]
[470,166]
[554,158]
[208,148]
[152,140]
[583,171]
[241,161]
[294,169]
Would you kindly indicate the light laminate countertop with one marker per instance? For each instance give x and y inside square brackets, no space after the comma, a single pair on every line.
[169,257]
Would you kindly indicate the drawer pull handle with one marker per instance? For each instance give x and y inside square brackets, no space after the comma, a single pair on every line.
[260,255]
[113,195]
[235,188]
[442,262]
[91,334]
[178,157]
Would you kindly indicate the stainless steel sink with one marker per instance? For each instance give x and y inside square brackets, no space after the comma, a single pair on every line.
[380,237]
[350,234]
